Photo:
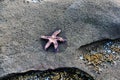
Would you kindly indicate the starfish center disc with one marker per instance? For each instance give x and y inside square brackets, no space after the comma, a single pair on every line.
[52,39]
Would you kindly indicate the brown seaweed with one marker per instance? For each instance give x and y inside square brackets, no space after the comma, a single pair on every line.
[98,53]
[65,73]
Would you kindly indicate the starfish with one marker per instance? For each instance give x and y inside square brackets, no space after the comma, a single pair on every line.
[53,39]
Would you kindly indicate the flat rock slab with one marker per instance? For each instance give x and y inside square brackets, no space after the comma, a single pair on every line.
[81,22]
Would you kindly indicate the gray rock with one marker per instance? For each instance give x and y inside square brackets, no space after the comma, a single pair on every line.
[81,22]
[93,20]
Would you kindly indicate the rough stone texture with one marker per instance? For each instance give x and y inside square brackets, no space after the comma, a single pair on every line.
[81,21]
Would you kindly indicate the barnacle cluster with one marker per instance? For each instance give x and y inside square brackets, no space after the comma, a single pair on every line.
[99,53]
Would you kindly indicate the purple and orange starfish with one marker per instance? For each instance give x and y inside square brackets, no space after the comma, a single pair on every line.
[53,39]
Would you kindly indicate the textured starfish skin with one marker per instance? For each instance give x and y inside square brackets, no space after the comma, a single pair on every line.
[53,39]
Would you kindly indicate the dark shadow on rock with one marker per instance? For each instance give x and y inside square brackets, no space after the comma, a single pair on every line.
[114,30]
[1,0]
[94,45]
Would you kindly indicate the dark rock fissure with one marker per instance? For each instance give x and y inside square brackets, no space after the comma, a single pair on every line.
[65,73]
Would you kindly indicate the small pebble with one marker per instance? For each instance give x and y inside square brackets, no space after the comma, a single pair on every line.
[33,1]
[81,57]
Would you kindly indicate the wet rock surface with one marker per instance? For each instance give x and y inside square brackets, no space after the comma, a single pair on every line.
[82,22]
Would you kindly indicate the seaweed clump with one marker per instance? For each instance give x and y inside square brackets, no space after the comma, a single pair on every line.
[65,73]
[101,52]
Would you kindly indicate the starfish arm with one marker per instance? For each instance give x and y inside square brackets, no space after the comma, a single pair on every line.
[47,45]
[45,37]
[60,39]
[56,33]
[55,44]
